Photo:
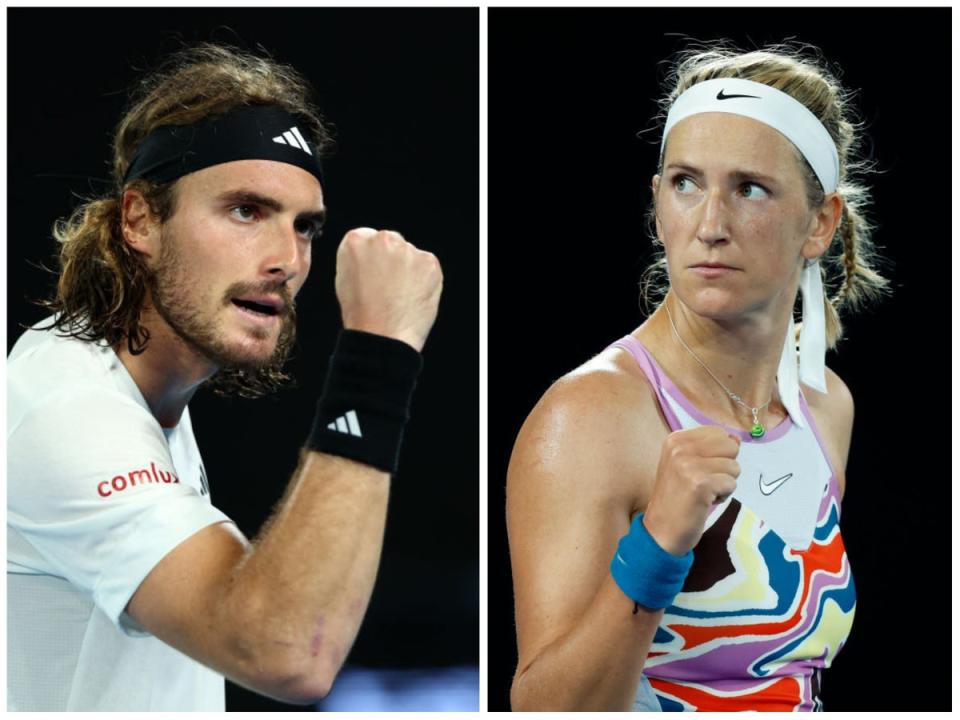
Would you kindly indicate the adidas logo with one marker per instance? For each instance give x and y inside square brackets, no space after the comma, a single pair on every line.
[347,424]
[293,137]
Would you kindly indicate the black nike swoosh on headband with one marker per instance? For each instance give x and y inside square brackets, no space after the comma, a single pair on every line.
[721,96]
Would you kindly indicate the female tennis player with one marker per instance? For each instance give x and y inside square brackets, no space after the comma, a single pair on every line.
[674,503]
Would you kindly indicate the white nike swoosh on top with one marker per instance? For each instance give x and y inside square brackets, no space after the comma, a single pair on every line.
[771,487]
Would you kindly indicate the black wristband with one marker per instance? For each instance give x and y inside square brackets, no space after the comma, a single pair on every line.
[366,399]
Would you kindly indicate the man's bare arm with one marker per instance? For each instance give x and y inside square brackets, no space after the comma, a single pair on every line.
[280,616]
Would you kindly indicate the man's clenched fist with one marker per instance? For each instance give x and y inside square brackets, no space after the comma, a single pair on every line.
[386,286]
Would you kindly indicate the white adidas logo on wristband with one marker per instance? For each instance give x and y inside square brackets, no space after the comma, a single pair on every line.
[348,424]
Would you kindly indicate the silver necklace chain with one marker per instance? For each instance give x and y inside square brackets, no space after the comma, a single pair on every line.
[733,396]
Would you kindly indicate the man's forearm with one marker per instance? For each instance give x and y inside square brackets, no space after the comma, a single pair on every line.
[300,593]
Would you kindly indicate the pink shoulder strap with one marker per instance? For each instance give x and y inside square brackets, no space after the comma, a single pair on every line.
[653,373]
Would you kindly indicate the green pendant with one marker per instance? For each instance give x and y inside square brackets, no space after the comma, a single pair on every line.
[757,430]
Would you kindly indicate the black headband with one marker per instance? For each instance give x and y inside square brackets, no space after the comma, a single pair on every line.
[255,132]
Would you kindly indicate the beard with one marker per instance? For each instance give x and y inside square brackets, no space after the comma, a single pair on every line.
[240,373]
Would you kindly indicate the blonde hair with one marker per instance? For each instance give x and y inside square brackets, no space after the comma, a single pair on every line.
[851,277]
[102,283]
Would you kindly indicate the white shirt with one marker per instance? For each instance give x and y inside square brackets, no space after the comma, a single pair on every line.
[98,493]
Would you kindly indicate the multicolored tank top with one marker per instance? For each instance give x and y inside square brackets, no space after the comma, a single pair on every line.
[770,599]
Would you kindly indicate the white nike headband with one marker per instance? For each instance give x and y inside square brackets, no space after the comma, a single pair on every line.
[770,106]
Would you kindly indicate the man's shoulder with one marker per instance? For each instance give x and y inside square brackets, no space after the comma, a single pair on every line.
[50,373]
[73,419]
[44,345]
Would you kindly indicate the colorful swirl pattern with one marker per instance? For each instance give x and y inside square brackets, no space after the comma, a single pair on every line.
[756,620]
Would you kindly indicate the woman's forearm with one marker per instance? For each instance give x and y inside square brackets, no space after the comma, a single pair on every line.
[597,664]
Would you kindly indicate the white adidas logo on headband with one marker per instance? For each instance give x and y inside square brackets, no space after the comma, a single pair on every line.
[293,137]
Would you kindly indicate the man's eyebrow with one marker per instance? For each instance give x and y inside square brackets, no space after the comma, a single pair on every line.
[248,197]
[738,174]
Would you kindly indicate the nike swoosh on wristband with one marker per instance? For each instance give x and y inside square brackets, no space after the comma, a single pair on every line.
[771,487]
[721,96]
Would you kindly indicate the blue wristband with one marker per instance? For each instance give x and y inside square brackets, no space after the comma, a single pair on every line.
[648,574]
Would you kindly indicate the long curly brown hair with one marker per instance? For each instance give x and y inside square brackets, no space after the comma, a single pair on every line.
[102,283]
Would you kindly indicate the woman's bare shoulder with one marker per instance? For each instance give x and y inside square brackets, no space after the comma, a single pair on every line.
[597,430]
[833,412]
[580,468]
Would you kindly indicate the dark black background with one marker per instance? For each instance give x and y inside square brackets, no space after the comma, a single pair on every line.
[401,87]
[569,89]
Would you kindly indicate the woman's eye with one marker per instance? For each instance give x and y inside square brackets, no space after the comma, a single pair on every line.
[748,186]
[246,213]
[678,180]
